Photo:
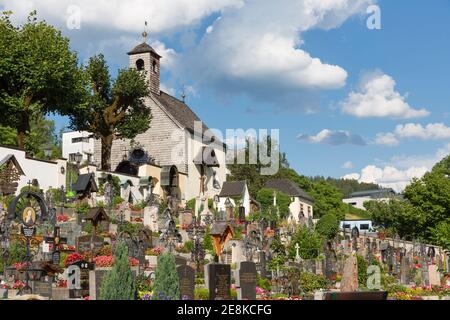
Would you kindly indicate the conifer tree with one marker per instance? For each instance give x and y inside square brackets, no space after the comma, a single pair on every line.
[166,285]
[119,284]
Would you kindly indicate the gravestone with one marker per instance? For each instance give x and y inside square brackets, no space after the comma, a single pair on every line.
[42,288]
[151,218]
[246,280]
[84,243]
[434,275]
[218,281]
[179,260]
[187,282]
[78,279]
[186,218]
[349,282]
[70,231]
[405,272]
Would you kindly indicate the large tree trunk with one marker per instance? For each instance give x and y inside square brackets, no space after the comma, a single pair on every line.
[106,152]
[23,129]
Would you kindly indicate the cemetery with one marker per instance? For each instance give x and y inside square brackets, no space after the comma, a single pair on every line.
[130,222]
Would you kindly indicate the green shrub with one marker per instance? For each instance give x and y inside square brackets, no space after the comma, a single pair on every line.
[191,204]
[263,283]
[119,283]
[117,200]
[309,282]
[328,226]
[234,294]
[201,294]
[82,208]
[166,285]
[362,271]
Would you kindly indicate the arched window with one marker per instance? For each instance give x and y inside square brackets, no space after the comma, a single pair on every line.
[140,64]
[155,66]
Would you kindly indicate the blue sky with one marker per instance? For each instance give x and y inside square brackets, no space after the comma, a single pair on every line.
[298,66]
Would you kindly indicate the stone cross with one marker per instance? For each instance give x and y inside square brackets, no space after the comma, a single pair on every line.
[297,252]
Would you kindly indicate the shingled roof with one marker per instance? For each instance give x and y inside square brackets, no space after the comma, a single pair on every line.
[288,187]
[232,188]
[180,111]
[84,182]
[143,48]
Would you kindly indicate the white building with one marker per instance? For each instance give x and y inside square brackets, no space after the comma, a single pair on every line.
[48,174]
[190,158]
[357,199]
[78,142]
[362,225]
[301,203]
[232,190]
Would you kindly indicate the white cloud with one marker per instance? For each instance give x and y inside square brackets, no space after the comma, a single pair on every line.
[334,138]
[386,139]
[400,170]
[253,48]
[347,165]
[352,176]
[125,16]
[377,97]
[257,50]
[432,131]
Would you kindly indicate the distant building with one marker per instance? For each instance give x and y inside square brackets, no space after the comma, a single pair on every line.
[301,202]
[357,199]
[78,142]
[232,190]
[363,225]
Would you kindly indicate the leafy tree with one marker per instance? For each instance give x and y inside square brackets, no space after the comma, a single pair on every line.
[397,216]
[41,136]
[207,240]
[279,254]
[440,234]
[310,243]
[119,283]
[8,136]
[265,198]
[347,186]
[430,196]
[328,226]
[113,109]
[166,285]
[39,74]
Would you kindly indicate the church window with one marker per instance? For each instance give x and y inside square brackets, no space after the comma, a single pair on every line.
[140,64]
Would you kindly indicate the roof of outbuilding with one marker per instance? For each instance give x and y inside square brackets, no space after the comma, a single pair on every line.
[373,193]
[83,182]
[288,187]
[232,188]
[11,157]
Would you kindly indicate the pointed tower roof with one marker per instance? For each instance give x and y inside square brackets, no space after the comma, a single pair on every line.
[143,48]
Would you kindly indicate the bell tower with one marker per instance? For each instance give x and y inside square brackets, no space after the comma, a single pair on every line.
[144,58]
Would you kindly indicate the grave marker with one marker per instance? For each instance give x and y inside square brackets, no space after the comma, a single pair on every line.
[187,282]
[246,280]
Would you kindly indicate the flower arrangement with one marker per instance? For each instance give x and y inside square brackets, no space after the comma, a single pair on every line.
[19,266]
[155,251]
[104,261]
[66,247]
[145,295]
[72,258]
[108,261]
[62,218]
[5,286]
[18,285]
[62,284]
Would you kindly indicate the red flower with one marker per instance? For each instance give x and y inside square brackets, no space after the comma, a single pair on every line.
[72,258]
[62,218]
